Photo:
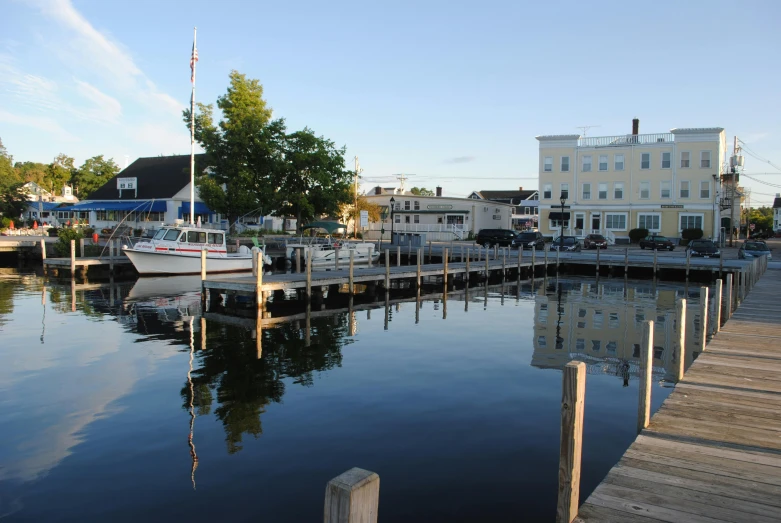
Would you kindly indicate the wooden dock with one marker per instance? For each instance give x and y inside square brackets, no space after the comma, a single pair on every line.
[712,453]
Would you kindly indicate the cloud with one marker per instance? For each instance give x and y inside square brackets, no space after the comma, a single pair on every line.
[164,139]
[106,108]
[42,123]
[461,159]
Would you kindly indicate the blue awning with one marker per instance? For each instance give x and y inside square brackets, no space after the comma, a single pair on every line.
[200,208]
[139,206]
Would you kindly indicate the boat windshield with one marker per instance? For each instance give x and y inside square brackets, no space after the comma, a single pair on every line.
[159,234]
[171,235]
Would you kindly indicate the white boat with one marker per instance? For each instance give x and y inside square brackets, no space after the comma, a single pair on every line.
[177,250]
[326,250]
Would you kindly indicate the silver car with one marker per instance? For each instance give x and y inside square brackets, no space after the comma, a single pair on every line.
[751,249]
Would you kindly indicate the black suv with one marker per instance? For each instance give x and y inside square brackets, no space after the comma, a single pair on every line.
[489,237]
[529,240]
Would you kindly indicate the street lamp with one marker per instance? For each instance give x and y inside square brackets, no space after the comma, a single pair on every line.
[392,202]
[561,236]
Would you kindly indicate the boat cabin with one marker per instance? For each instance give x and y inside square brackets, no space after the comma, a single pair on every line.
[184,239]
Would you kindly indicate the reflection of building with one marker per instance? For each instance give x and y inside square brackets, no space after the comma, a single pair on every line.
[597,324]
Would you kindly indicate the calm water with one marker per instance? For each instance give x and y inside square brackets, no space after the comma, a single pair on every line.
[459,415]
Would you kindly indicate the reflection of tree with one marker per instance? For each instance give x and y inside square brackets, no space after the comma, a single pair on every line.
[6,301]
[244,384]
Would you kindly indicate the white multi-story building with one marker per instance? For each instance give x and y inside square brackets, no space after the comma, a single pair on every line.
[662,182]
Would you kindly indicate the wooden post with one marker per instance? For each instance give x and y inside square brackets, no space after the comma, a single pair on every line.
[688,263]
[398,256]
[258,334]
[486,267]
[111,256]
[350,281]
[573,392]
[352,497]
[721,265]
[387,270]
[336,258]
[646,370]
[203,265]
[309,257]
[655,265]
[81,247]
[626,260]
[504,264]
[259,280]
[468,260]
[717,308]
[546,249]
[429,251]
[445,260]
[728,300]
[298,260]
[680,334]
[420,251]
[703,317]
[534,255]
[73,258]
[409,252]
[520,259]
[43,249]
[496,252]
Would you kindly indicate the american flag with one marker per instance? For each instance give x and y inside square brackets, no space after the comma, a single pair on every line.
[193,59]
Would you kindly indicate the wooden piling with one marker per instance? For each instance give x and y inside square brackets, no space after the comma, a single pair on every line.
[298,260]
[352,497]
[598,249]
[387,270]
[688,263]
[728,298]
[429,251]
[309,257]
[81,247]
[656,265]
[350,278]
[445,260]
[73,258]
[418,268]
[398,256]
[486,267]
[43,249]
[468,259]
[703,317]
[259,281]
[573,392]
[646,371]
[203,265]
[336,258]
[534,264]
[717,308]
[680,335]
[626,261]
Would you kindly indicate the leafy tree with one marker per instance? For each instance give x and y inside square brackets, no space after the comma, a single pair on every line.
[32,172]
[314,180]
[8,175]
[350,211]
[59,172]
[762,218]
[13,200]
[421,191]
[93,174]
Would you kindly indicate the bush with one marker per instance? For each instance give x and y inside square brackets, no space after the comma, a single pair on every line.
[635,235]
[691,234]
[63,245]
[5,222]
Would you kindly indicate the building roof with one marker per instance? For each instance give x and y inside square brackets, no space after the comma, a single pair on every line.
[522,194]
[777,203]
[158,177]
[697,130]
[46,206]
[558,137]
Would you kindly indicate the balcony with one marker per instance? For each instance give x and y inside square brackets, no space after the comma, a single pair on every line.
[626,139]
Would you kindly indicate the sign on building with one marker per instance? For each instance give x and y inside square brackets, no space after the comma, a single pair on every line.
[127,183]
[364,218]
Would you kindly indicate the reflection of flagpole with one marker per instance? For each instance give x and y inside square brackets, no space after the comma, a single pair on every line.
[193,455]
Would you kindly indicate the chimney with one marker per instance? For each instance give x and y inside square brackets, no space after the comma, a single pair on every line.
[439,190]
[635,126]
[520,188]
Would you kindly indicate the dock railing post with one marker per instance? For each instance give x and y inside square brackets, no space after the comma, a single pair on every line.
[573,392]
[646,371]
[259,280]
[728,300]
[43,250]
[352,497]
[680,334]
[445,260]
[111,256]
[703,317]
[420,252]
[626,261]
[387,270]
[309,257]
[398,256]
[298,260]
[717,308]
[73,258]
[546,249]
[336,258]
[351,281]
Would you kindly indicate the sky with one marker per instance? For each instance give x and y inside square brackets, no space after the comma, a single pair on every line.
[451,93]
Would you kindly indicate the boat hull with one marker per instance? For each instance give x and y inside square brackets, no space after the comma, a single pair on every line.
[326,257]
[161,263]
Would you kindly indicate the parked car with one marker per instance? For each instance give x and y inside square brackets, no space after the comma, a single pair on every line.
[595,241]
[703,249]
[490,237]
[751,249]
[656,242]
[566,244]
[529,240]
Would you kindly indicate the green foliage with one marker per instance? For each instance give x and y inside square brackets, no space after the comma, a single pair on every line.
[8,175]
[32,172]
[691,234]
[13,200]
[635,235]
[59,172]
[63,245]
[421,191]
[5,222]
[92,174]
[762,217]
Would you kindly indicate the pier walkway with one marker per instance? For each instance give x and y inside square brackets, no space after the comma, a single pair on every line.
[712,452]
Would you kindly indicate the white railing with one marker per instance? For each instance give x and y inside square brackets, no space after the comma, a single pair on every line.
[626,139]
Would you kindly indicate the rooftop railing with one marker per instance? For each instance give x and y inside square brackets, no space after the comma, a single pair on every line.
[626,139]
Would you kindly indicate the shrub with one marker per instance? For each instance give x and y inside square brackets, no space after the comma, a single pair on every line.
[5,222]
[63,245]
[691,234]
[635,235]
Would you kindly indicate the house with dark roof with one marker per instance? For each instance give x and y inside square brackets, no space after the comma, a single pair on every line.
[524,202]
[149,191]
[777,213]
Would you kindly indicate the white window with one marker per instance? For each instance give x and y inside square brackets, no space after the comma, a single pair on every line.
[406,205]
[685,159]
[526,211]
[690,221]
[684,189]
[565,164]
[704,189]
[705,159]
[603,162]
[556,224]
[603,191]
[645,161]
[586,191]
[618,190]
[615,221]
[416,218]
[565,191]
[417,205]
[665,188]
[547,189]
[548,164]
[652,222]
[397,218]
[586,164]
[645,190]
[619,162]
[666,160]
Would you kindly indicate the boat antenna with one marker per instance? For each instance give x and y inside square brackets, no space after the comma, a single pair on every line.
[193,60]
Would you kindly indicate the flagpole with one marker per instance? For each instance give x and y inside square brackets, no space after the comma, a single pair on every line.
[193,61]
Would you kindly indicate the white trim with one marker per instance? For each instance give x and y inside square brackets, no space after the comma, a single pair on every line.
[669,188]
[659,214]
[682,214]
[641,161]
[640,190]
[661,160]
[626,221]
[599,162]
[689,189]
[623,162]
[561,164]
[623,192]
[590,163]
[583,192]
[625,206]
[680,160]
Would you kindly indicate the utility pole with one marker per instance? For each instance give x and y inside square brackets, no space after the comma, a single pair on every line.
[358,171]
[735,162]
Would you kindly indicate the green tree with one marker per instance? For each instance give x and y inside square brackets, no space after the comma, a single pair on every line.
[59,172]
[421,191]
[8,175]
[93,174]
[32,172]
[314,180]
[12,197]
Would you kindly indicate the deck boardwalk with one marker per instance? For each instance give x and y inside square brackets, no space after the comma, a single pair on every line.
[712,452]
